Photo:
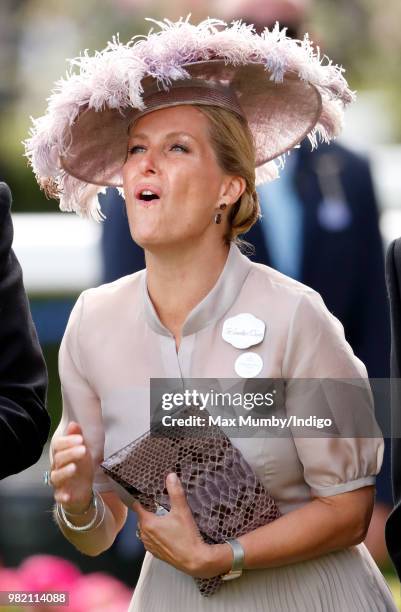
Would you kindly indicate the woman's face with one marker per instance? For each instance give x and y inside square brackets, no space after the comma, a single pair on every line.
[172,181]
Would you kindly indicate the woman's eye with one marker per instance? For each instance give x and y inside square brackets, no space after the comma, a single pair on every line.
[140,149]
[179,147]
[136,149]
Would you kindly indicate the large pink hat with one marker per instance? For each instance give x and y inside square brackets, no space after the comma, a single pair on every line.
[281,86]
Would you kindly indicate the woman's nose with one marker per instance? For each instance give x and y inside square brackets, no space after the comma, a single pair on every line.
[149,163]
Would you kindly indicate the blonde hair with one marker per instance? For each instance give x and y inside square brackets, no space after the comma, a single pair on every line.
[233,144]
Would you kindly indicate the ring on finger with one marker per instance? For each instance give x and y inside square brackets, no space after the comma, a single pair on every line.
[138,533]
[47,478]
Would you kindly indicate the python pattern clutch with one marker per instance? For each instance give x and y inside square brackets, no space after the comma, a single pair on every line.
[226,497]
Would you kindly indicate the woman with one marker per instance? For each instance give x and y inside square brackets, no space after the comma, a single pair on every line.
[188,173]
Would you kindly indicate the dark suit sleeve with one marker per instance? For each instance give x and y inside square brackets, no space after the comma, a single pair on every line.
[24,421]
[370,320]
[393,276]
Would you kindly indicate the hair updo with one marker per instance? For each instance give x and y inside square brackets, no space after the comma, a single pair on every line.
[233,145]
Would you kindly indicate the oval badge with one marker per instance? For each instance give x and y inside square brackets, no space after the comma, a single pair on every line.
[243,330]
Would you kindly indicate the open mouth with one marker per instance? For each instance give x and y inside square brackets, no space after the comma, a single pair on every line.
[148,196]
[147,193]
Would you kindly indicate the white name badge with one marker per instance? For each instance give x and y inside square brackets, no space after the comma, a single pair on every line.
[243,330]
[248,365]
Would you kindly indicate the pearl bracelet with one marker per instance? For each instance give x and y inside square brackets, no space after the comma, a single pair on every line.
[96,498]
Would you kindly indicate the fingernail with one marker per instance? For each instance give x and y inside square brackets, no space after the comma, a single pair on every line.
[172,477]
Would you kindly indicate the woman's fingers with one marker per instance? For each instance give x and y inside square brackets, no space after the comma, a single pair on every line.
[64,442]
[60,477]
[68,488]
[72,469]
[73,428]
[70,455]
[73,462]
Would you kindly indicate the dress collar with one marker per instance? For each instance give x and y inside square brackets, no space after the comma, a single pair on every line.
[214,305]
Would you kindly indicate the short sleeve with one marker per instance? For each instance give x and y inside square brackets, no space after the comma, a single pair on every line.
[318,353]
[80,402]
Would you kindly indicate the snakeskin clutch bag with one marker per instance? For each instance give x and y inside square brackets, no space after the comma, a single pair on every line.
[226,497]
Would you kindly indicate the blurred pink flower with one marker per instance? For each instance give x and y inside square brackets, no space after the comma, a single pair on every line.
[99,593]
[10,580]
[96,592]
[48,573]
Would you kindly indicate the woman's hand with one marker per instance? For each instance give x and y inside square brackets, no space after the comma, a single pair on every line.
[175,537]
[72,470]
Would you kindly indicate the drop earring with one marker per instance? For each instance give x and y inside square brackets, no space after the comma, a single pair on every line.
[217,217]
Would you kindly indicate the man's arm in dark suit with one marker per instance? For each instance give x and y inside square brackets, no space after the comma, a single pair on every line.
[393,277]
[24,421]
[371,317]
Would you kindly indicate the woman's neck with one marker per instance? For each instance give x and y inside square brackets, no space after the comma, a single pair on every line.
[179,279]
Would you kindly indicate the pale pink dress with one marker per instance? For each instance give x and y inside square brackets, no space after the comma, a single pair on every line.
[115,343]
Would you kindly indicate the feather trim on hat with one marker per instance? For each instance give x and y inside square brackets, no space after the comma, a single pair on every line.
[112,79]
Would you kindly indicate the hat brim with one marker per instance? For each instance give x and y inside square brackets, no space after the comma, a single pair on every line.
[280,115]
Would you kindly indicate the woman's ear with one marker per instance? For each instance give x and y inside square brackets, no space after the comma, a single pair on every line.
[233,189]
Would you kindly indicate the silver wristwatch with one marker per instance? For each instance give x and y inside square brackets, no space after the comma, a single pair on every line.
[238,560]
